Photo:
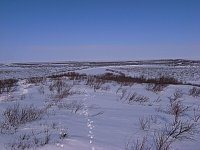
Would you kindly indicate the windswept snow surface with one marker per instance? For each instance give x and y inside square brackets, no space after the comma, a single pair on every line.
[105,120]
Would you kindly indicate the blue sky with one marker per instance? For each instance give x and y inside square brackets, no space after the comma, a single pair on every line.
[57,30]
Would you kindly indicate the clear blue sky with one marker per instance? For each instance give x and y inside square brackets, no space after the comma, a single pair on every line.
[57,30]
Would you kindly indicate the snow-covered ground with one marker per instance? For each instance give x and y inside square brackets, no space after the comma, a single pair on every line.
[76,116]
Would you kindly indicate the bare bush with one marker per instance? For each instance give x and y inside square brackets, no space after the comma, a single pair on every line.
[90,80]
[155,87]
[153,119]
[119,89]
[16,115]
[178,129]
[73,106]
[97,85]
[63,94]
[195,92]
[165,137]
[123,93]
[94,82]
[177,109]
[57,85]
[33,139]
[122,79]
[162,141]
[158,100]
[196,116]
[137,98]
[178,94]
[60,89]
[21,143]
[138,145]
[128,80]
[30,140]
[145,123]
[181,130]
[105,88]
[35,80]
[8,85]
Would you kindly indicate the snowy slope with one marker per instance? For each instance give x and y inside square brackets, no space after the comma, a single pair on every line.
[106,119]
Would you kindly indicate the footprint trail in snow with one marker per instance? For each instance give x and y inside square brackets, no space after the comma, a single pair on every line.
[90,123]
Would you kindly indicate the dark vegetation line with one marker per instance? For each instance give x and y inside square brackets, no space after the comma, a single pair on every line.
[123,79]
[8,84]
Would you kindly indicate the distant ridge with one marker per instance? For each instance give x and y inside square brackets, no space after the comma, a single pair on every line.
[169,62]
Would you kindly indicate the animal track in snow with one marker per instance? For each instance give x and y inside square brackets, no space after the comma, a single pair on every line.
[90,123]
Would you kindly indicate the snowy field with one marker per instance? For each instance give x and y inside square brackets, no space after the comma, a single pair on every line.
[135,105]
